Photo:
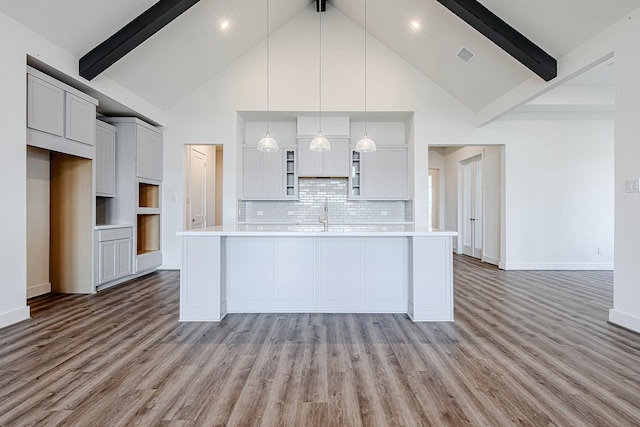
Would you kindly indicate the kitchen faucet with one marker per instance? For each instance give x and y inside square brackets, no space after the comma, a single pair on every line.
[325,220]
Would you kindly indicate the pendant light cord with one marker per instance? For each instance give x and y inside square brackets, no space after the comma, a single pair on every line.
[320,76]
[267,66]
[365,67]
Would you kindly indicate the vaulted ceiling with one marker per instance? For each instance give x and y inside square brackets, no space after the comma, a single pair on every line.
[191,49]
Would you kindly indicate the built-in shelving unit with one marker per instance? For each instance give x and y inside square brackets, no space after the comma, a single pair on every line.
[290,168]
[139,188]
[148,195]
[356,167]
[148,218]
[148,239]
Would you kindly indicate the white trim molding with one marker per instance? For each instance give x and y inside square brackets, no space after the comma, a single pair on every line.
[582,266]
[14,316]
[625,320]
[491,260]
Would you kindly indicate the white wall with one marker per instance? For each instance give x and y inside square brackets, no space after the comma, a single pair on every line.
[558,192]
[16,42]
[626,302]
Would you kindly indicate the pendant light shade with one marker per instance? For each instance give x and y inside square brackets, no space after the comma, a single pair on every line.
[268,144]
[320,143]
[366,144]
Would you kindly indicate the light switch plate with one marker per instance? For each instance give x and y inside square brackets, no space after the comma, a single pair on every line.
[633,185]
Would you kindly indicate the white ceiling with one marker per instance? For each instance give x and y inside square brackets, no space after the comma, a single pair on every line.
[191,50]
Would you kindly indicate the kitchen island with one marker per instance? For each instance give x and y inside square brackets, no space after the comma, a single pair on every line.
[301,268]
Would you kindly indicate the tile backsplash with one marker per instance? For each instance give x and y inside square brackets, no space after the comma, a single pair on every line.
[312,193]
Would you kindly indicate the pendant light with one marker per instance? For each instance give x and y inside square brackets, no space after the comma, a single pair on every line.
[365,144]
[320,143]
[267,144]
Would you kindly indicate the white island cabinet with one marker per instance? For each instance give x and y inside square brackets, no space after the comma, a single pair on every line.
[359,269]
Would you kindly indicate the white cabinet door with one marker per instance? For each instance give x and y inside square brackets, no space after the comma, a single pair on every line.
[385,266]
[373,174]
[155,171]
[143,152]
[384,174]
[80,118]
[274,175]
[339,269]
[334,163]
[310,163]
[45,106]
[108,258]
[115,257]
[105,160]
[263,174]
[252,173]
[293,272]
[148,153]
[124,253]
[396,182]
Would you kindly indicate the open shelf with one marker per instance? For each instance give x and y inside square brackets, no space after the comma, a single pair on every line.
[148,195]
[290,174]
[148,233]
[356,167]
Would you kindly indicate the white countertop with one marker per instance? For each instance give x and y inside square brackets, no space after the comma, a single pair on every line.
[317,230]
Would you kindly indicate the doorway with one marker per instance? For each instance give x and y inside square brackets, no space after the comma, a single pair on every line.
[203,186]
[448,208]
[471,196]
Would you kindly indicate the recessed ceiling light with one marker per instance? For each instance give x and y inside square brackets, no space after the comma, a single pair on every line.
[224,25]
[416,25]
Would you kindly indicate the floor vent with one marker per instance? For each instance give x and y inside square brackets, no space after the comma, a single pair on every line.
[465,54]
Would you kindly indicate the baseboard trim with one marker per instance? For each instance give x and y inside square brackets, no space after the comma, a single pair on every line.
[170,266]
[14,316]
[37,290]
[491,260]
[626,320]
[600,266]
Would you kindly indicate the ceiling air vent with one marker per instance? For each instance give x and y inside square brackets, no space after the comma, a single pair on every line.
[465,54]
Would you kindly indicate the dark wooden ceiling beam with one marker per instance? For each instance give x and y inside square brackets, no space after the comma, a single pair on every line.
[505,36]
[131,36]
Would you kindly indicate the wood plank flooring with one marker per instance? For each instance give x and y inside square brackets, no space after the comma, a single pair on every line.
[527,349]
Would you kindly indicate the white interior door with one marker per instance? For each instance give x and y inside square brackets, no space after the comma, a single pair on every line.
[197,201]
[471,199]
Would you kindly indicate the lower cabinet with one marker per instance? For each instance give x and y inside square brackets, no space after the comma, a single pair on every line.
[115,254]
[317,274]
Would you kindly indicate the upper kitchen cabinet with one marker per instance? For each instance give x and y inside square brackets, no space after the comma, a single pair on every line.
[383,174]
[334,163]
[59,117]
[147,141]
[105,159]
[148,152]
[269,175]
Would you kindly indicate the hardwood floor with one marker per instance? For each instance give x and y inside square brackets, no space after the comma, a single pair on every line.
[527,348]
